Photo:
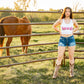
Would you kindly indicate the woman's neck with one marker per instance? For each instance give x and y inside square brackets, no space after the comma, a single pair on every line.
[66,18]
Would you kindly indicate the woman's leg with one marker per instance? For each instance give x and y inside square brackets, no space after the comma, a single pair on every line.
[71,50]
[61,50]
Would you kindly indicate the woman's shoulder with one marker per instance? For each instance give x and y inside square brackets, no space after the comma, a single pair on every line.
[74,20]
[60,20]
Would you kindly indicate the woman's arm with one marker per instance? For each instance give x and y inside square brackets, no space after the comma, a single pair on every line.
[76,25]
[58,22]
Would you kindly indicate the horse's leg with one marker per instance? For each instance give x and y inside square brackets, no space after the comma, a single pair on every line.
[27,39]
[8,44]
[22,41]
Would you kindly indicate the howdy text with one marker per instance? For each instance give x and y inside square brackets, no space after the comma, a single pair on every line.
[67,28]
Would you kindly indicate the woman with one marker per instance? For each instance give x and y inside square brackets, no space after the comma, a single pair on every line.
[67,23]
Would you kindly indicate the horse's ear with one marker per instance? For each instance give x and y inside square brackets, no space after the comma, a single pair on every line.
[25,17]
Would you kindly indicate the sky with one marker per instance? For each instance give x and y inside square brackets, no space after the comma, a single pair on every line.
[45,4]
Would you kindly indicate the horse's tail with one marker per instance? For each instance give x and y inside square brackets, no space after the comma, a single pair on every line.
[2,33]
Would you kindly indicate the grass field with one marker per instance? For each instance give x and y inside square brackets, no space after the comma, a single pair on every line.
[41,72]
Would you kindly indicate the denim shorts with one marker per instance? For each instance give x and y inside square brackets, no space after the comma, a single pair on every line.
[67,41]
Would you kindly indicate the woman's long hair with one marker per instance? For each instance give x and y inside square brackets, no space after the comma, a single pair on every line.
[63,13]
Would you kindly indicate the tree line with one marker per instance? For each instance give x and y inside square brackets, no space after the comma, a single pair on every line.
[38,17]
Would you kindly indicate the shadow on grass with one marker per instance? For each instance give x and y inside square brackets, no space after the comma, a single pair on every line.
[43,75]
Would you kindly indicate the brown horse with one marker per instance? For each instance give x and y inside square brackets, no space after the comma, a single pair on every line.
[15,30]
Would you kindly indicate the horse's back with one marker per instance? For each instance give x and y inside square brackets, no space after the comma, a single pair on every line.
[16,29]
[10,19]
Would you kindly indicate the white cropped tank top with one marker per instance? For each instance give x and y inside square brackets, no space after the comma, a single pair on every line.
[67,28]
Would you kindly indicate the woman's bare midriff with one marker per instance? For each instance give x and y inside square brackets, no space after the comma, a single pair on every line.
[66,35]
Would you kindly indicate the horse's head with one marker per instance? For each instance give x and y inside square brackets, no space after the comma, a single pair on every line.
[26,19]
